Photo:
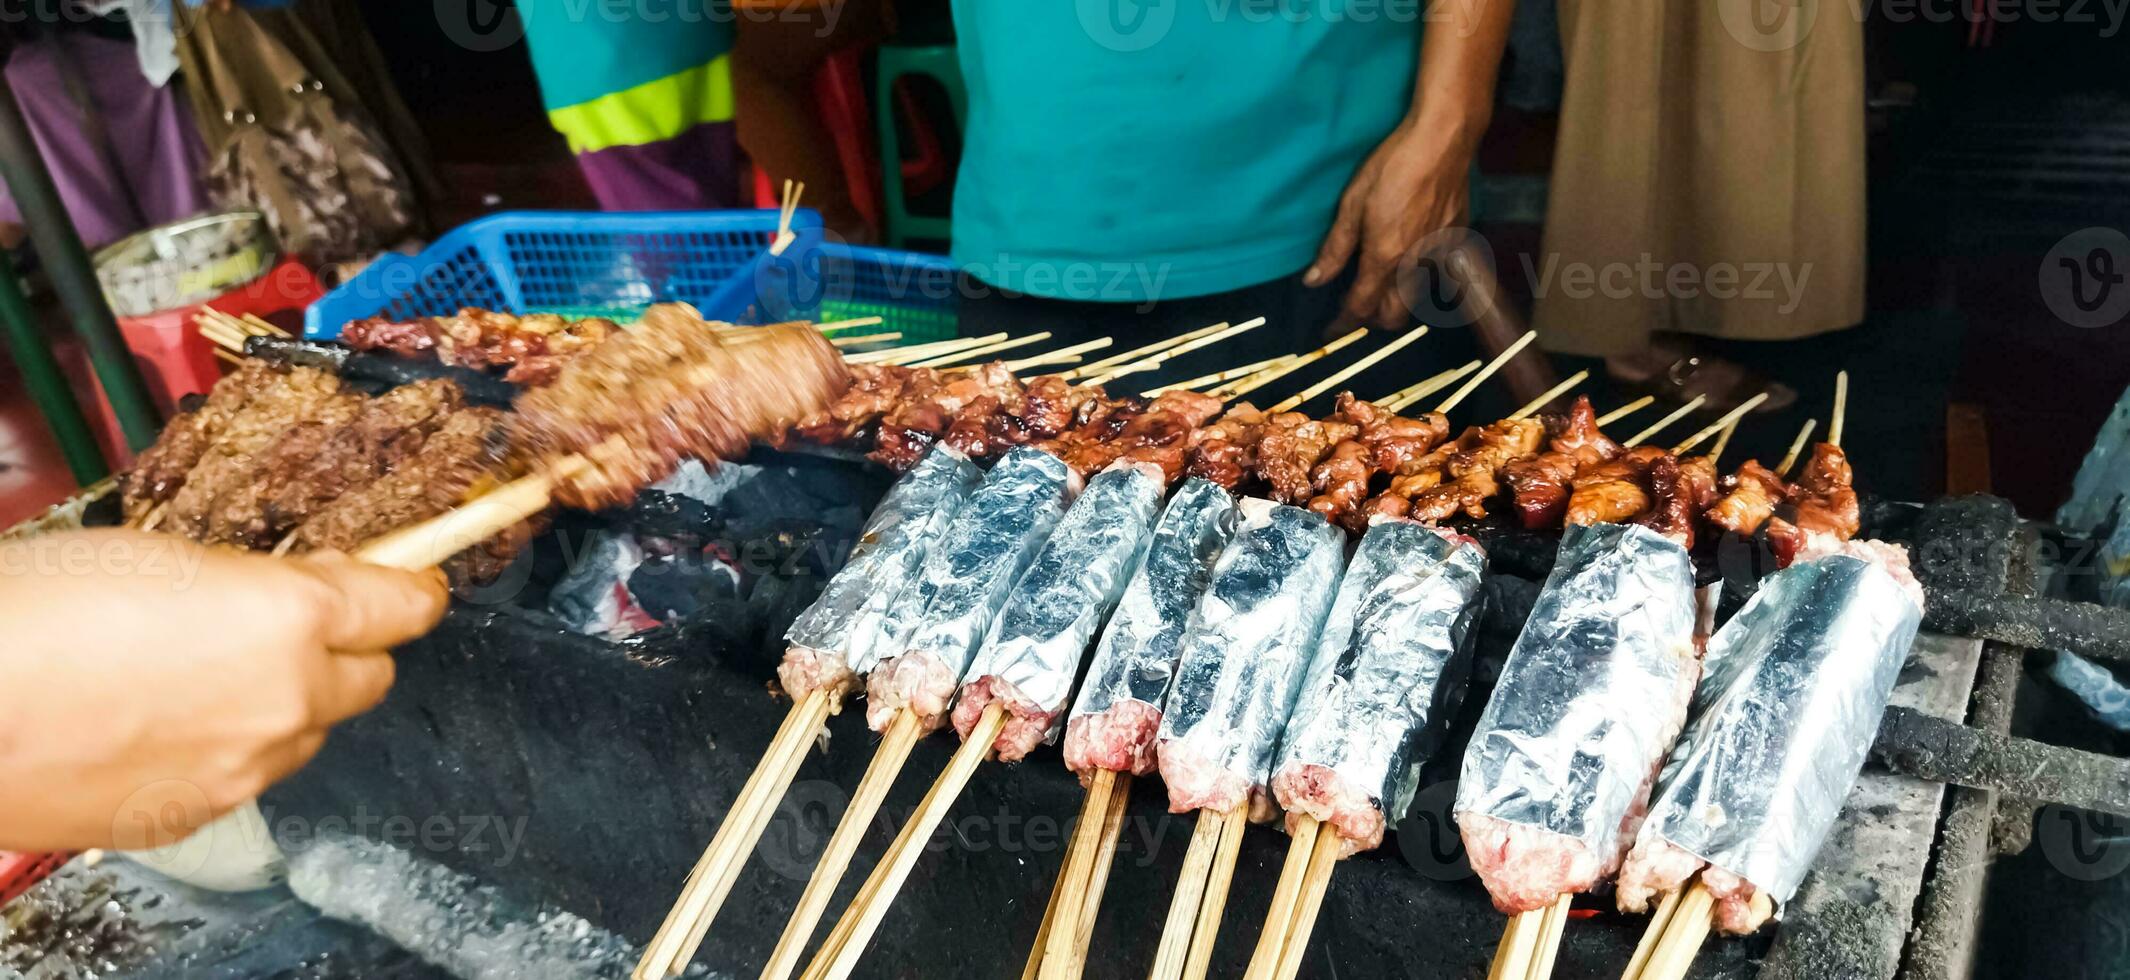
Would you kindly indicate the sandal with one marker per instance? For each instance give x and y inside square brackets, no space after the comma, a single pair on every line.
[1725,383]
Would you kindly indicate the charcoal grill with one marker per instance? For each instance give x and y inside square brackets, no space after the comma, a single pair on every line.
[623,757]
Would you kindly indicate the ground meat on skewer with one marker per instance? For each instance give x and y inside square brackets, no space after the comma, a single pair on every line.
[1749,499]
[239,513]
[467,448]
[162,468]
[390,429]
[1226,451]
[637,405]
[228,464]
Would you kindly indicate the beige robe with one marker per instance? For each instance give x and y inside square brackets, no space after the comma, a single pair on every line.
[1709,176]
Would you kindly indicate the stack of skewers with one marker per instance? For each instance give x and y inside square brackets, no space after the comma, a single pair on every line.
[972,599]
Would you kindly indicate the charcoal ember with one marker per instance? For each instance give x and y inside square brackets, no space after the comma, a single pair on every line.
[684,585]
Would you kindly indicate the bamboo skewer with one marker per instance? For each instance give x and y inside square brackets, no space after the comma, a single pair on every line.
[1552,923]
[1075,877]
[1350,370]
[1199,958]
[1658,922]
[785,213]
[1487,372]
[1797,446]
[1190,893]
[1551,393]
[1625,410]
[863,321]
[976,352]
[1286,896]
[1404,399]
[1322,859]
[1728,420]
[1682,937]
[901,736]
[1841,408]
[1216,377]
[1098,874]
[839,955]
[1142,353]
[1293,363]
[699,891]
[899,355]
[871,338]
[1063,355]
[1041,946]
[1150,363]
[1519,946]
[1665,422]
[1723,442]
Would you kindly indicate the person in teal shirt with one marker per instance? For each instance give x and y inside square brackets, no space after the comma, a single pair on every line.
[1139,167]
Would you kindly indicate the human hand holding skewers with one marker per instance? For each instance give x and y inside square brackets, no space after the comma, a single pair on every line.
[157,683]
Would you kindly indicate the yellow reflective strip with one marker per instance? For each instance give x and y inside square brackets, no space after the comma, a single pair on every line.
[659,109]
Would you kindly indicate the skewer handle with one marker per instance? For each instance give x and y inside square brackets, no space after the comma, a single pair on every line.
[1285,896]
[429,543]
[1190,892]
[1079,862]
[1322,859]
[1199,959]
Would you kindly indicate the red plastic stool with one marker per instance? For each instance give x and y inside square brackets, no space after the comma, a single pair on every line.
[839,92]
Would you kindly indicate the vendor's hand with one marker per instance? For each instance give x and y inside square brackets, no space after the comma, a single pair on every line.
[1415,184]
[148,684]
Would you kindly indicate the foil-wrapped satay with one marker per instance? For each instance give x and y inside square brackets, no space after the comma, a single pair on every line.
[965,582]
[1244,654]
[831,645]
[1387,677]
[1029,661]
[1558,773]
[1117,716]
[1796,683]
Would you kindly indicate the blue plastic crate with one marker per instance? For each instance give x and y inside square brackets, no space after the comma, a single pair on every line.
[557,261]
[913,293]
[614,265]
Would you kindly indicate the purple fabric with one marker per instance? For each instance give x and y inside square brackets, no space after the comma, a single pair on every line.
[695,171]
[150,129]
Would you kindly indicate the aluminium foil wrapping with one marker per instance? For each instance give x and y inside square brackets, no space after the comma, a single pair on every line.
[986,548]
[1390,667]
[850,619]
[1071,586]
[1795,687]
[1136,657]
[1593,692]
[1248,646]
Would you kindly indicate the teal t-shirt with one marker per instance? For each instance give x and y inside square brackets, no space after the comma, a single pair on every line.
[1128,150]
[585,49]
